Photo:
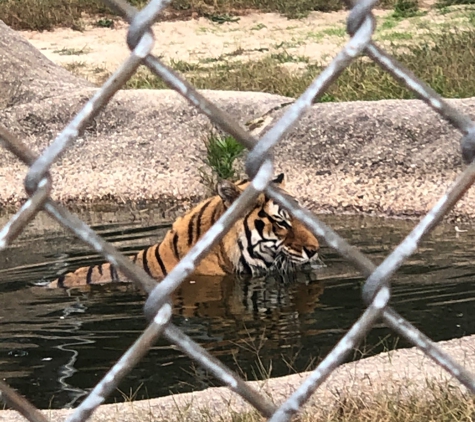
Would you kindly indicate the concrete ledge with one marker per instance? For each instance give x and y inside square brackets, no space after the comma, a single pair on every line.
[399,373]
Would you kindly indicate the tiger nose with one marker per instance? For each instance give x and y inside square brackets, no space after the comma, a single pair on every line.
[310,252]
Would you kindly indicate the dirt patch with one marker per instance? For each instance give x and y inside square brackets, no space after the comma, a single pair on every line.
[197,40]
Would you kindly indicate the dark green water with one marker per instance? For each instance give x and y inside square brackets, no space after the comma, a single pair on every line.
[55,347]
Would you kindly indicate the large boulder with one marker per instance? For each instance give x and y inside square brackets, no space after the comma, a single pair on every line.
[26,75]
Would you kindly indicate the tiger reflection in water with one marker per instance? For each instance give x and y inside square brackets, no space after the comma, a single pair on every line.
[231,297]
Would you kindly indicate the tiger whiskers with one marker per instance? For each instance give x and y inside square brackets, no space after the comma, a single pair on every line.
[283,265]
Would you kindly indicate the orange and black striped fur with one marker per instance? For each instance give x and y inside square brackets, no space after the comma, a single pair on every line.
[266,239]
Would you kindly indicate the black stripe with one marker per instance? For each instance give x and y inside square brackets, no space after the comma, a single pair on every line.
[144,261]
[224,258]
[61,280]
[246,290]
[191,229]
[242,261]
[220,255]
[175,246]
[245,266]
[255,301]
[248,233]
[281,223]
[160,261]
[259,224]
[200,217]
[134,259]
[214,217]
[262,214]
[113,273]
[89,274]
[279,178]
[99,267]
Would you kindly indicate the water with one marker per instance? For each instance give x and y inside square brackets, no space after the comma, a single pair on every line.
[54,347]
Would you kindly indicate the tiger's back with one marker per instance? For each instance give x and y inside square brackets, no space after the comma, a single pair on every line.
[264,237]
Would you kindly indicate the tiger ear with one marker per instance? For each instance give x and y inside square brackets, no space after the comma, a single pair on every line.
[228,192]
[279,180]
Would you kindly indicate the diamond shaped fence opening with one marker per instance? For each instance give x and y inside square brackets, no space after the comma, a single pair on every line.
[259,167]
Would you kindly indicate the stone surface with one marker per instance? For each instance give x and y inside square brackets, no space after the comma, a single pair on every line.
[385,157]
[27,75]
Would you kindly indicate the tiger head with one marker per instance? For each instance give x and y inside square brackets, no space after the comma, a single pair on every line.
[268,237]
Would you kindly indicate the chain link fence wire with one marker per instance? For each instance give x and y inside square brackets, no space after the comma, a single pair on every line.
[259,166]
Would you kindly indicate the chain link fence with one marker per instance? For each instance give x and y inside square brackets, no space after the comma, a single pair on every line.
[259,166]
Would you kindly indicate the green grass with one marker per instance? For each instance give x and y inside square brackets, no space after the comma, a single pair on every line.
[285,57]
[396,36]
[222,151]
[335,32]
[405,9]
[43,15]
[72,51]
[444,61]
[440,403]
[431,402]
[388,23]
[48,14]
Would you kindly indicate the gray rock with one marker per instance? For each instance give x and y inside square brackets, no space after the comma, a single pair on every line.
[27,75]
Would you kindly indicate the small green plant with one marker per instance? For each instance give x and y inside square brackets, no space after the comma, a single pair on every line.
[74,67]
[221,153]
[105,23]
[405,9]
[220,19]
[288,58]
[131,395]
[334,32]
[396,36]
[72,51]
[389,23]
[258,27]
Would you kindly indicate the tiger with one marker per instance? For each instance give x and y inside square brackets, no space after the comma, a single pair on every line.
[266,239]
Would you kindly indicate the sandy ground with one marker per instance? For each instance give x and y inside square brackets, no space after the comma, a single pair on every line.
[197,40]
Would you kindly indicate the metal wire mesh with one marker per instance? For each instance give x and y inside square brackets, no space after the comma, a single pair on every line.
[259,166]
